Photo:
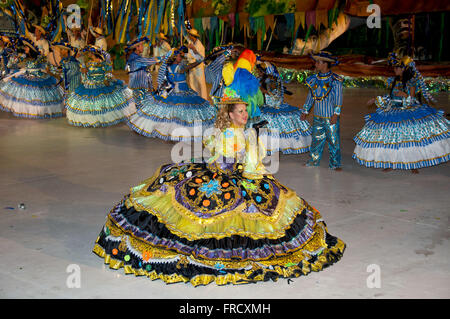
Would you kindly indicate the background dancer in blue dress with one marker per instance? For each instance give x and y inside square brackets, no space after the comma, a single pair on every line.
[140,79]
[325,95]
[31,92]
[285,131]
[404,132]
[174,112]
[101,100]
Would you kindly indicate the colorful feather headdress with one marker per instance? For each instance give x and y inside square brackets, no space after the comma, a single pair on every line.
[239,78]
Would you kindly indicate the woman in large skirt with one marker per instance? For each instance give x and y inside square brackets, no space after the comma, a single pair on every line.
[101,100]
[285,131]
[225,221]
[174,112]
[403,133]
[31,92]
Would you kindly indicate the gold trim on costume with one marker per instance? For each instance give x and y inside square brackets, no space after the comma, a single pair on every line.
[409,141]
[422,160]
[285,267]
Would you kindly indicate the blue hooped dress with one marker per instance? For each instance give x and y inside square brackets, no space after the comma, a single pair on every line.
[285,132]
[403,133]
[32,93]
[101,100]
[182,115]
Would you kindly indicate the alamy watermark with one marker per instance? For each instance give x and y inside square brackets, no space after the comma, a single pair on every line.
[374,279]
[74,19]
[74,279]
[374,20]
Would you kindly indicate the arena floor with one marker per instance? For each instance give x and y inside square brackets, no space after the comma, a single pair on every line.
[396,225]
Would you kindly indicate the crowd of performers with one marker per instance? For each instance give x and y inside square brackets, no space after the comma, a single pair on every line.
[405,131]
[225,219]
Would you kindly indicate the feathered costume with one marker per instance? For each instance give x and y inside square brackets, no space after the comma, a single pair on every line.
[239,77]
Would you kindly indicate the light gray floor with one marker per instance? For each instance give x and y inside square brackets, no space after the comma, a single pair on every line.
[70,177]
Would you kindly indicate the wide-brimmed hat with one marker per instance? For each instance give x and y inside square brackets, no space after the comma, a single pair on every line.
[324,56]
[41,28]
[181,50]
[135,42]
[64,45]
[5,38]
[162,36]
[98,30]
[29,43]
[230,96]
[396,61]
[95,50]
[194,33]
[8,36]
[75,26]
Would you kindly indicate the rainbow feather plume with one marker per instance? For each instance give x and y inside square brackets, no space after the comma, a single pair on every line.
[244,82]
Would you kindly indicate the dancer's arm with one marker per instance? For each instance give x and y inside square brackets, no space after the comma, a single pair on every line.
[307,106]
[190,66]
[337,101]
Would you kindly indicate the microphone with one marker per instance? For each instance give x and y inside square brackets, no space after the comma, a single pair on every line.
[258,125]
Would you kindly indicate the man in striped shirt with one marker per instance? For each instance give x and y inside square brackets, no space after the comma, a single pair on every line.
[213,71]
[140,79]
[70,66]
[325,95]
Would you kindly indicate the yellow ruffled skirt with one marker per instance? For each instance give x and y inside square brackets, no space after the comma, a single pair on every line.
[192,223]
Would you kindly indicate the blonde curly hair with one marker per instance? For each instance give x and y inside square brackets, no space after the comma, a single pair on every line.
[223,120]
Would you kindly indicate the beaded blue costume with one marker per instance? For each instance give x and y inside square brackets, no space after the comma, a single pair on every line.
[403,133]
[101,100]
[325,95]
[176,113]
[31,92]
